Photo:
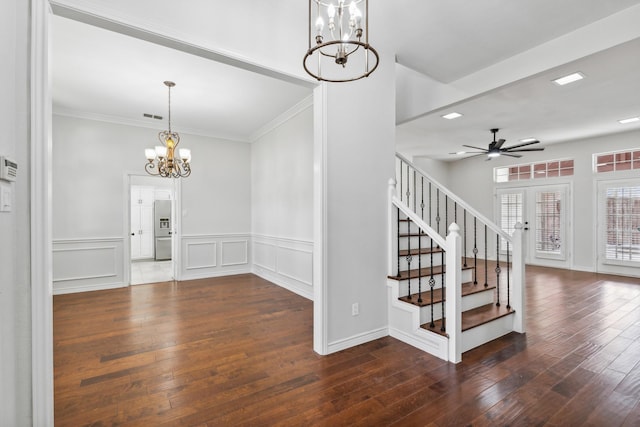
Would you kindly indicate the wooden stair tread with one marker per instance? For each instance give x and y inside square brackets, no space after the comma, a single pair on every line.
[424,272]
[472,318]
[422,251]
[484,314]
[467,289]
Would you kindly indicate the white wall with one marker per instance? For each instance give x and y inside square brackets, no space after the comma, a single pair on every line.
[90,202]
[282,202]
[359,147]
[15,297]
[438,170]
[473,180]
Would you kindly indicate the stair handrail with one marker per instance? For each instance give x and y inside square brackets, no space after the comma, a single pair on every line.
[493,226]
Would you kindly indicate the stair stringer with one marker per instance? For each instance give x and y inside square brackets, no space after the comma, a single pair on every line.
[404,325]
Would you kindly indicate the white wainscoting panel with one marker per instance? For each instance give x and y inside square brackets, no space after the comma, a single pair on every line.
[81,265]
[199,255]
[285,262]
[235,252]
[213,255]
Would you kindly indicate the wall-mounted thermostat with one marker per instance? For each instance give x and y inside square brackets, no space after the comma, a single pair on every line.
[8,169]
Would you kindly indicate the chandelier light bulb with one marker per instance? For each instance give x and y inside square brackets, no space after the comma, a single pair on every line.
[161,152]
[319,25]
[331,12]
[150,154]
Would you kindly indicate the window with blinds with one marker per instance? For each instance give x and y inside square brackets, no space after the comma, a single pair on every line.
[622,218]
[510,214]
[549,221]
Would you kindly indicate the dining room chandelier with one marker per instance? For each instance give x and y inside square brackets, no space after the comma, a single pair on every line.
[162,160]
[339,34]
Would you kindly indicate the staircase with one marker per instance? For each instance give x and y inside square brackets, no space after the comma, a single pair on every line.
[453,288]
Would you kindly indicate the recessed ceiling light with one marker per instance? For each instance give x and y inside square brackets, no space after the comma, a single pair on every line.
[629,120]
[461,152]
[569,79]
[452,116]
[528,140]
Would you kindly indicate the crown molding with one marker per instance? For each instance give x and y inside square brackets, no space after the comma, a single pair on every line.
[282,118]
[150,124]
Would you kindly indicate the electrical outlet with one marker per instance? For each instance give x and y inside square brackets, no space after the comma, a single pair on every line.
[355,309]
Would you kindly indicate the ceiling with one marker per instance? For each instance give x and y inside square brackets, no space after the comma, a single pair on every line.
[104,74]
[537,108]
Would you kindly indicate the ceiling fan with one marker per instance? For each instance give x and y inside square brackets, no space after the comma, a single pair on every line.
[495,148]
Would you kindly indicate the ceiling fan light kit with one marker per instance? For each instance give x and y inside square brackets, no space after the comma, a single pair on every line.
[495,148]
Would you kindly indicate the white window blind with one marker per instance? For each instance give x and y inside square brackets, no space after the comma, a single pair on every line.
[622,222]
[549,221]
[510,214]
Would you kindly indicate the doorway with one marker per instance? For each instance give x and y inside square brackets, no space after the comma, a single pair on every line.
[544,211]
[151,229]
[618,226]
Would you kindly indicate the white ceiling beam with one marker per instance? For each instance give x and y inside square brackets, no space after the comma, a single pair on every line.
[419,95]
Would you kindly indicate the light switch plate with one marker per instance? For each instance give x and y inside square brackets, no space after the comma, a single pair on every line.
[5,199]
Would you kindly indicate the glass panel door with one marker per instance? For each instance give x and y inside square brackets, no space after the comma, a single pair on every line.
[549,227]
[619,223]
[543,212]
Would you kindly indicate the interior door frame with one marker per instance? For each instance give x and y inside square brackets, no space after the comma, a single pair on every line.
[176,252]
[528,200]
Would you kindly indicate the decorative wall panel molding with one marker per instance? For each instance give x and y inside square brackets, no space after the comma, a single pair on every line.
[81,265]
[212,255]
[285,262]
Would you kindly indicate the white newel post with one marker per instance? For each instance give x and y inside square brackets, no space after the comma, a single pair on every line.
[392,250]
[518,292]
[454,293]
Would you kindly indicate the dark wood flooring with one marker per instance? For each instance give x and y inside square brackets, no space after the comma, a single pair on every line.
[238,351]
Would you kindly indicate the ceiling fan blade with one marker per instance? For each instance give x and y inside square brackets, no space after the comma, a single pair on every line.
[475,148]
[499,143]
[510,155]
[522,145]
[523,149]
[470,152]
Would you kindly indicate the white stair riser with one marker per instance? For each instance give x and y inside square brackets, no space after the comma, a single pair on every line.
[466,277]
[426,261]
[425,313]
[412,242]
[482,334]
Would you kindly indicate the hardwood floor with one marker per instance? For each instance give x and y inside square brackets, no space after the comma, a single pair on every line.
[238,351]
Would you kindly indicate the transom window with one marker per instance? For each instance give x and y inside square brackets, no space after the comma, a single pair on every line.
[549,169]
[616,161]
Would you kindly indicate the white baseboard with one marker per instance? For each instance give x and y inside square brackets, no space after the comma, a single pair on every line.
[221,273]
[426,341]
[88,288]
[358,339]
[583,268]
[289,284]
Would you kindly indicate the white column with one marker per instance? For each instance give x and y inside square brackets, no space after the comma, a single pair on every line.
[391,231]
[454,293]
[518,285]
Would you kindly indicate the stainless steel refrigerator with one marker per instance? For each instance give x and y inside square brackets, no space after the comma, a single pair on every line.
[162,228]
